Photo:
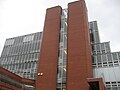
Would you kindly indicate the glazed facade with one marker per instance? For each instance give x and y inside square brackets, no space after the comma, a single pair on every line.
[106,64]
[20,55]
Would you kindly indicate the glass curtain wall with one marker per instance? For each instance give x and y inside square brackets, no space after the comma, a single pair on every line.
[20,55]
[61,77]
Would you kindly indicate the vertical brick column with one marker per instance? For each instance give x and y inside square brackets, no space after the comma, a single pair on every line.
[48,58]
[79,62]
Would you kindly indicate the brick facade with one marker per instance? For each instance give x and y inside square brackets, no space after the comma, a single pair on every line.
[48,59]
[79,62]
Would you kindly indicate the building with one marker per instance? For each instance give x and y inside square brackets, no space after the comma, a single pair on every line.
[68,55]
[20,55]
[11,81]
[106,64]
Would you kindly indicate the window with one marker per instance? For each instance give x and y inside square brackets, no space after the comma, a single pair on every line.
[61,37]
[60,54]
[119,55]
[99,58]
[22,65]
[93,48]
[102,46]
[114,56]
[28,38]
[109,57]
[65,41]
[64,54]
[26,65]
[59,72]
[93,59]
[98,47]
[9,42]
[103,51]
[107,47]
[19,67]
[92,37]
[29,65]
[62,23]
[104,58]
[39,36]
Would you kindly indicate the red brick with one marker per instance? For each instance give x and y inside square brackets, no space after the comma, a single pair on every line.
[48,58]
[79,62]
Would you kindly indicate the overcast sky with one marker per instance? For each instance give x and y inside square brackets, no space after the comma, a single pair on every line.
[20,17]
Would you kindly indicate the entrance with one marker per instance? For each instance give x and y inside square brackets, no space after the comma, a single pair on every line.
[94,86]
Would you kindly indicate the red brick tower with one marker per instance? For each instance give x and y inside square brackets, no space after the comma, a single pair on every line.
[79,62]
[47,67]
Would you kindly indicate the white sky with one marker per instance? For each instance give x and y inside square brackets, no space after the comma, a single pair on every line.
[20,17]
